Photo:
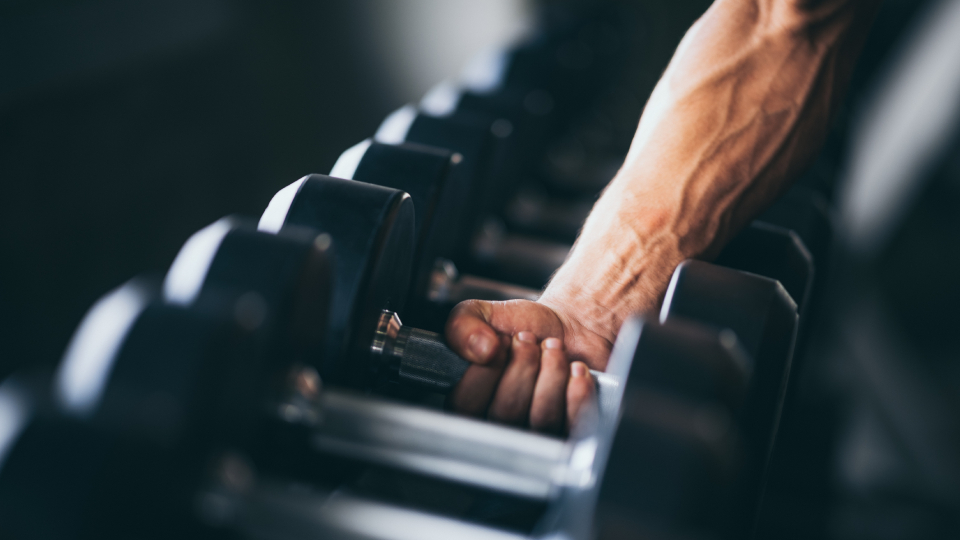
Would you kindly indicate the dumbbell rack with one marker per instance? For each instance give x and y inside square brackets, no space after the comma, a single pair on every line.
[196,406]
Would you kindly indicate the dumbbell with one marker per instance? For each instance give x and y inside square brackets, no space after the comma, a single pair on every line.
[187,376]
[150,402]
[507,256]
[492,177]
[240,315]
[283,279]
[674,453]
[763,315]
[519,133]
[428,175]
[482,167]
[156,347]
[327,306]
[483,146]
[373,230]
[67,477]
[521,120]
[442,227]
[496,247]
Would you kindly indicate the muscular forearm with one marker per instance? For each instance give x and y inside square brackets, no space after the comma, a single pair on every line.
[743,107]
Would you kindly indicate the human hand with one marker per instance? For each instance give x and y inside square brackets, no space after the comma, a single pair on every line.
[530,363]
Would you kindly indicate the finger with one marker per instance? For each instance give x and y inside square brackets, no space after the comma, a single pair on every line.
[548,408]
[581,391]
[469,333]
[511,401]
[472,395]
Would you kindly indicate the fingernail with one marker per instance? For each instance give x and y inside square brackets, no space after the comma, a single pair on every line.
[481,346]
[578,369]
[552,343]
[528,337]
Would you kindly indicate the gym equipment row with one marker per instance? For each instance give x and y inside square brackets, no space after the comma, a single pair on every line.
[266,387]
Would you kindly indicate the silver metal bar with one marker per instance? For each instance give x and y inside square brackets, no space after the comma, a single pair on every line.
[470,287]
[448,286]
[275,511]
[514,253]
[377,521]
[534,210]
[441,445]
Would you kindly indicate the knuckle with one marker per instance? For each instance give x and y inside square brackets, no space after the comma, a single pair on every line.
[464,310]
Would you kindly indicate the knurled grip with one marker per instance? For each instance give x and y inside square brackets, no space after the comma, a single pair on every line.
[425,360]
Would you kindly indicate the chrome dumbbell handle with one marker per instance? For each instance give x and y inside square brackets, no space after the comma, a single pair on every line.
[448,286]
[417,356]
[423,359]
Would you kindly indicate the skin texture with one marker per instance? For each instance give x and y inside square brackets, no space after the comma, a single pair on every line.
[741,110]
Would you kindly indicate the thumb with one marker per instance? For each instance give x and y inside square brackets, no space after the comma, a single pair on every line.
[470,334]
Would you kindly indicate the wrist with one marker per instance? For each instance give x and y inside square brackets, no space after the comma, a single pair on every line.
[620,265]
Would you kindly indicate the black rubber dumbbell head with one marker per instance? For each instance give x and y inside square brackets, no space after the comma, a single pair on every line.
[661,456]
[427,174]
[184,378]
[481,166]
[764,318]
[372,230]
[284,280]
[774,252]
[63,478]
